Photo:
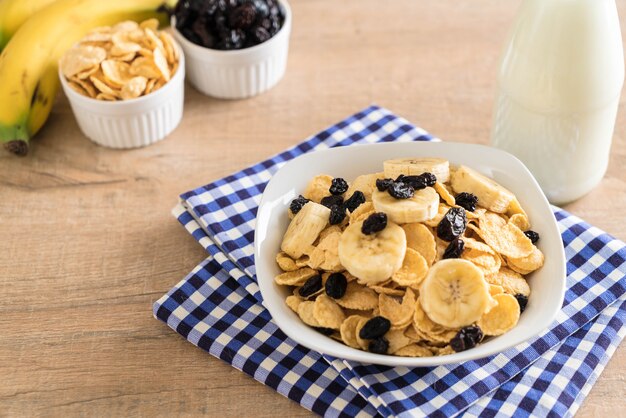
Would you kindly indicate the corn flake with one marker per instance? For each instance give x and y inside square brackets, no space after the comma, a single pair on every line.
[397,340]
[510,281]
[358,297]
[348,330]
[285,262]
[106,97]
[366,184]
[305,311]
[420,238]
[413,350]
[363,343]
[520,221]
[362,212]
[528,264]
[295,278]
[413,271]
[502,317]
[445,194]
[161,63]
[327,313]
[293,302]
[505,238]
[121,62]
[81,58]
[399,314]
[134,88]
[318,188]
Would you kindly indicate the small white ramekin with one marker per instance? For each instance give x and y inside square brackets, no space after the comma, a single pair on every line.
[239,73]
[130,123]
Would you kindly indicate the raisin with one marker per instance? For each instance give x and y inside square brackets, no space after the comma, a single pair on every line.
[262,9]
[422,181]
[376,222]
[400,190]
[234,39]
[338,186]
[454,249]
[336,285]
[522,302]
[212,6]
[452,225]
[243,16]
[199,28]
[429,179]
[383,184]
[532,235]
[297,203]
[374,328]
[467,201]
[260,35]
[325,331]
[221,26]
[466,338]
[354,201]
[227,24]
[275,27]
[191,35]
[337,214]
[311,286]
[330,201]
[379,346]
[266,24]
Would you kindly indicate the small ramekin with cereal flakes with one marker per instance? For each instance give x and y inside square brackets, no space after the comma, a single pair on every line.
[125,84]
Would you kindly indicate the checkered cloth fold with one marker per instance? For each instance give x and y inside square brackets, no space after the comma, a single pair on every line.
[219,308]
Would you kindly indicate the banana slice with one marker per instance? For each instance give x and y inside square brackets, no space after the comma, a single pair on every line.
[490,194]
[304,229]
[454,293]
[416,166]
[372,258]
[421,207]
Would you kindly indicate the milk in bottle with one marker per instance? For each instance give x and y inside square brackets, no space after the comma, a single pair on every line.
[559,85]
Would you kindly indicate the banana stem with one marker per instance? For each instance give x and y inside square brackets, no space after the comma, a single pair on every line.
[17,147]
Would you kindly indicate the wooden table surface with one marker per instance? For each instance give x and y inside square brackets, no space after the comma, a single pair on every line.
[87,242]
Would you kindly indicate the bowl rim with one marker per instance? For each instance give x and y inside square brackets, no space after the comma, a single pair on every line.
[235,52]
[75,96]
[365,357]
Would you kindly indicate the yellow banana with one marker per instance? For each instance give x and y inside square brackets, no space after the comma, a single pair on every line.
[28,65]
[13,13]
[42,101]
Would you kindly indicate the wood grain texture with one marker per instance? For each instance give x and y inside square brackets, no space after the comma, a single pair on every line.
[87,243]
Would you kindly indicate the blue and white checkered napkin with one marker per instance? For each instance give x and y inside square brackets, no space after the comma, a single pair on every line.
[218,307]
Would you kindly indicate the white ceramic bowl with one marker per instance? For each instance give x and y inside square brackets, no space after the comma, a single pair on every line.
[239,73]
[547,284]
[130,123]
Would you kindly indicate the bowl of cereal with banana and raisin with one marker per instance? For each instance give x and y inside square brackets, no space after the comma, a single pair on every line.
[413,254]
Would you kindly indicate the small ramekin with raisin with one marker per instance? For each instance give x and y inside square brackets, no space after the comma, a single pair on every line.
[235,48]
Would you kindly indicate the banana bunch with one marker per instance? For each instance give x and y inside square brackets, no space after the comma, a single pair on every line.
[13,13]
[29,62]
